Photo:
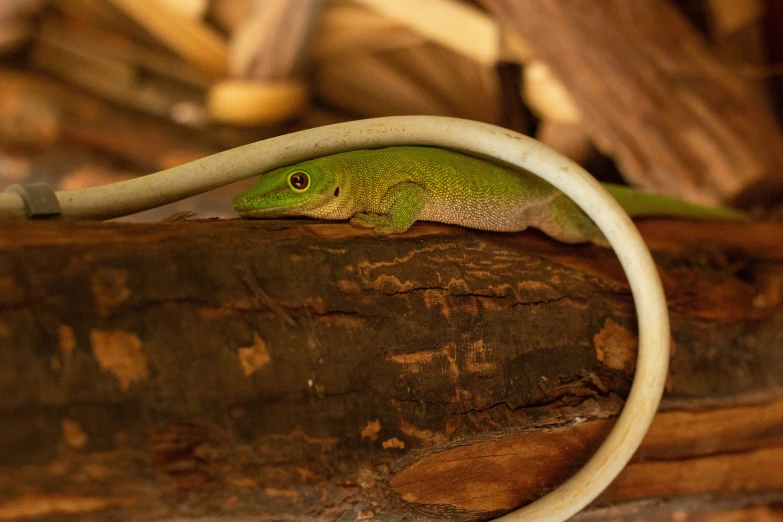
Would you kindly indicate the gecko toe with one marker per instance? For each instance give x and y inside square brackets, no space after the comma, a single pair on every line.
[362,220]
[381,224]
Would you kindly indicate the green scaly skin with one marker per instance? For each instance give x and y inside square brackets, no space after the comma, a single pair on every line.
[389,189]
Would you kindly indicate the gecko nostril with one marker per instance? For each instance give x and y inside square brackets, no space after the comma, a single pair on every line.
[337,192]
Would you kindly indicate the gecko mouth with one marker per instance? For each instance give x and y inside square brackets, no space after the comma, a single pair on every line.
[244,211]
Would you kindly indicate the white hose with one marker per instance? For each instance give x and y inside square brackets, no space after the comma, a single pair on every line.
[150,191]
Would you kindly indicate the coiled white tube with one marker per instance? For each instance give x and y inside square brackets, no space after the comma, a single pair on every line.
[150,191]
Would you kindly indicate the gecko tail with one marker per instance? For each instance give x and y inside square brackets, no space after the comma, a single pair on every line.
[638,203]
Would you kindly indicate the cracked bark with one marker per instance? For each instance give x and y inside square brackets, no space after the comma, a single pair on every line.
[253,369]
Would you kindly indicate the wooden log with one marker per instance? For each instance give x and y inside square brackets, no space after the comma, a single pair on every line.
[676,120]
[241,370]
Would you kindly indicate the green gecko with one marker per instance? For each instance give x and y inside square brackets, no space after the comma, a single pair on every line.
[389,189]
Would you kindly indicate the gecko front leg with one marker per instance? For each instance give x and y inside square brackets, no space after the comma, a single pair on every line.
[405,202]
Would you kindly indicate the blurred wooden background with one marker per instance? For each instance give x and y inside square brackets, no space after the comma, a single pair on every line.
[678,98]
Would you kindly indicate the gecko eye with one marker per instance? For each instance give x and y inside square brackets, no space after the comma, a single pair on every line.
[299,180]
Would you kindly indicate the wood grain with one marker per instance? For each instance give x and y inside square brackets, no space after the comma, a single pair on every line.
[652,95]
[307,370]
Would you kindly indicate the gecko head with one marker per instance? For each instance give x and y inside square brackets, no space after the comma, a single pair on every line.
[288,191]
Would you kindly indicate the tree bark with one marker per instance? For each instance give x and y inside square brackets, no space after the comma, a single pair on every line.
[652,95]
[268,370]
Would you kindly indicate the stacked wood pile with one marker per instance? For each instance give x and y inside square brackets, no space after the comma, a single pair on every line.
[692,119]
[235,370]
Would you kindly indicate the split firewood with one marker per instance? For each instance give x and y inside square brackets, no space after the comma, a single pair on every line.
[675,119]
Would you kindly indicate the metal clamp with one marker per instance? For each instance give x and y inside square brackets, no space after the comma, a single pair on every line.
[39,199]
